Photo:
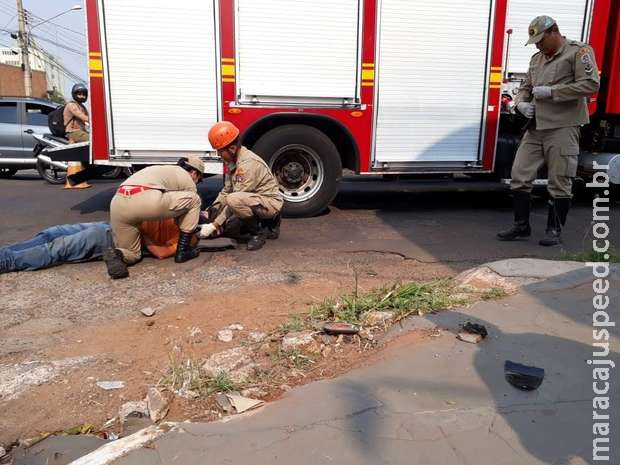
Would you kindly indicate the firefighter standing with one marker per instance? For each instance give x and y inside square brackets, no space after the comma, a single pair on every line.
[76,120]
[154,193]
[251,193]
[561,76]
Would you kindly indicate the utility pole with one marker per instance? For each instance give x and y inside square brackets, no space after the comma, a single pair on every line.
[23,40]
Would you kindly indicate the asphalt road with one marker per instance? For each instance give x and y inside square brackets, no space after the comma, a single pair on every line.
[442,220]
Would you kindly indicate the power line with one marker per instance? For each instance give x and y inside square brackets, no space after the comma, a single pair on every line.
[67,72]
[58,44]
[9,21]
[56,24]
[60,36]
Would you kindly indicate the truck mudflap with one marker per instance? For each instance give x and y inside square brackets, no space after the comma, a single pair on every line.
[73,152]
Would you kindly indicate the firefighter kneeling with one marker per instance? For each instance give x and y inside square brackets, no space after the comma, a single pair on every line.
[154,193]
[248,207]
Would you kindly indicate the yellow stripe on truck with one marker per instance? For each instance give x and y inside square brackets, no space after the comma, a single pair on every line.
[368,75]
[228,70]
[95,64]
[496,78]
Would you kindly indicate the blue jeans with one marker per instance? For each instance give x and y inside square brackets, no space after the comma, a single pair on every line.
[56,245]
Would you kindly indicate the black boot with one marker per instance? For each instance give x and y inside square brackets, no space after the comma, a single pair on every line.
[117,268]
[556,219]
[257,237]
[521,226]
[271,227]
[185,251]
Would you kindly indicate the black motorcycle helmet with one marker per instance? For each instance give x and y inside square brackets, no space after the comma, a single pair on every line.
[79,89]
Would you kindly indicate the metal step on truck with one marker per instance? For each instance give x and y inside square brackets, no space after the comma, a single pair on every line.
[378,87]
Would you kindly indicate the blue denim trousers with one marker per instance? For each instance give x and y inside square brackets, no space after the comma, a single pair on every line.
[58,244]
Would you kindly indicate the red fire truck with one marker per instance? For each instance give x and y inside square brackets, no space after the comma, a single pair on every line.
[318,86]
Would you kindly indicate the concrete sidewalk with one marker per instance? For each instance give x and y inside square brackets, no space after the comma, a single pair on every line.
[440,402]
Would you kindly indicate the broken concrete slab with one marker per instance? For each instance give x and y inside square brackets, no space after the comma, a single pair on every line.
[469,337]
[137,408]
[236,362]
[535,268]
[224,402]
[158,404]
[257,336]
[514,273]
[111,385]
[303,341]
[225,335]
[235,327]
[243,404]
[14,379]
[147,311]
[483,278]
[114,450]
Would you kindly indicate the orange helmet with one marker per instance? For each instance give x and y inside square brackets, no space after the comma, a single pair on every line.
[222,134]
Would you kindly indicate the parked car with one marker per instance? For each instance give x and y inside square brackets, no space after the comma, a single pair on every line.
[20,117]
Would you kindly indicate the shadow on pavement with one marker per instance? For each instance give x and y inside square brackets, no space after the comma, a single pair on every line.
[99,202]
[553,423]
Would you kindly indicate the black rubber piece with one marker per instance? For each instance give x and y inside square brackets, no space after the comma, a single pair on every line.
[523,377]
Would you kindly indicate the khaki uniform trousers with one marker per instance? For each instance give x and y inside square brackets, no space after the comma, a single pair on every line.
[127,212]
[559,149]
[246,205]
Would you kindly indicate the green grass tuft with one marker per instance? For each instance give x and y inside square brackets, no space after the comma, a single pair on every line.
[402,299]
[591,256]
[493,293]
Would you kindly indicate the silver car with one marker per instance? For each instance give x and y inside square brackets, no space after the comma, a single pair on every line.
[20,117]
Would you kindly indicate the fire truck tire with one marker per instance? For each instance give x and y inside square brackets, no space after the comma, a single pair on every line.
[307,165]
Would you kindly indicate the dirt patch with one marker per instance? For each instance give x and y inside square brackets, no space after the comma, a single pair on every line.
[137,350]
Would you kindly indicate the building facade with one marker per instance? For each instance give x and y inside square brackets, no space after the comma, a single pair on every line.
[40,61]
[12,82]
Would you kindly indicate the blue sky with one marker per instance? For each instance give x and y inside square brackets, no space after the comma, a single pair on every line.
[66,31]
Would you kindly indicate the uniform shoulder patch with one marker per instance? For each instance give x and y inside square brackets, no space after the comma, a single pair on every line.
[583,51]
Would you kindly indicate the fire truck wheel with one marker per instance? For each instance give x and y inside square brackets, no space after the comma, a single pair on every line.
[307,165]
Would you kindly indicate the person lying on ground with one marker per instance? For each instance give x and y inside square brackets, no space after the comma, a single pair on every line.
[65,243]
[72,243]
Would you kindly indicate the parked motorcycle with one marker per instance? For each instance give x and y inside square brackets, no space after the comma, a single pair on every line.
[55,172]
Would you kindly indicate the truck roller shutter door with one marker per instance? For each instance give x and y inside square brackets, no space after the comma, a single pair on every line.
[432,70]
[291,50]
[161,70]
[570,15]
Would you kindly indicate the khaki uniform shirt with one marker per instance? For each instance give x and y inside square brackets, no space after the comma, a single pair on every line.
[572,75]
[162,177]
[251,174]
[74,116]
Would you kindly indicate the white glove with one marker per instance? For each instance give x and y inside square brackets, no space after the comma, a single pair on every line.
[207,230]
[527,109]
[541,92]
